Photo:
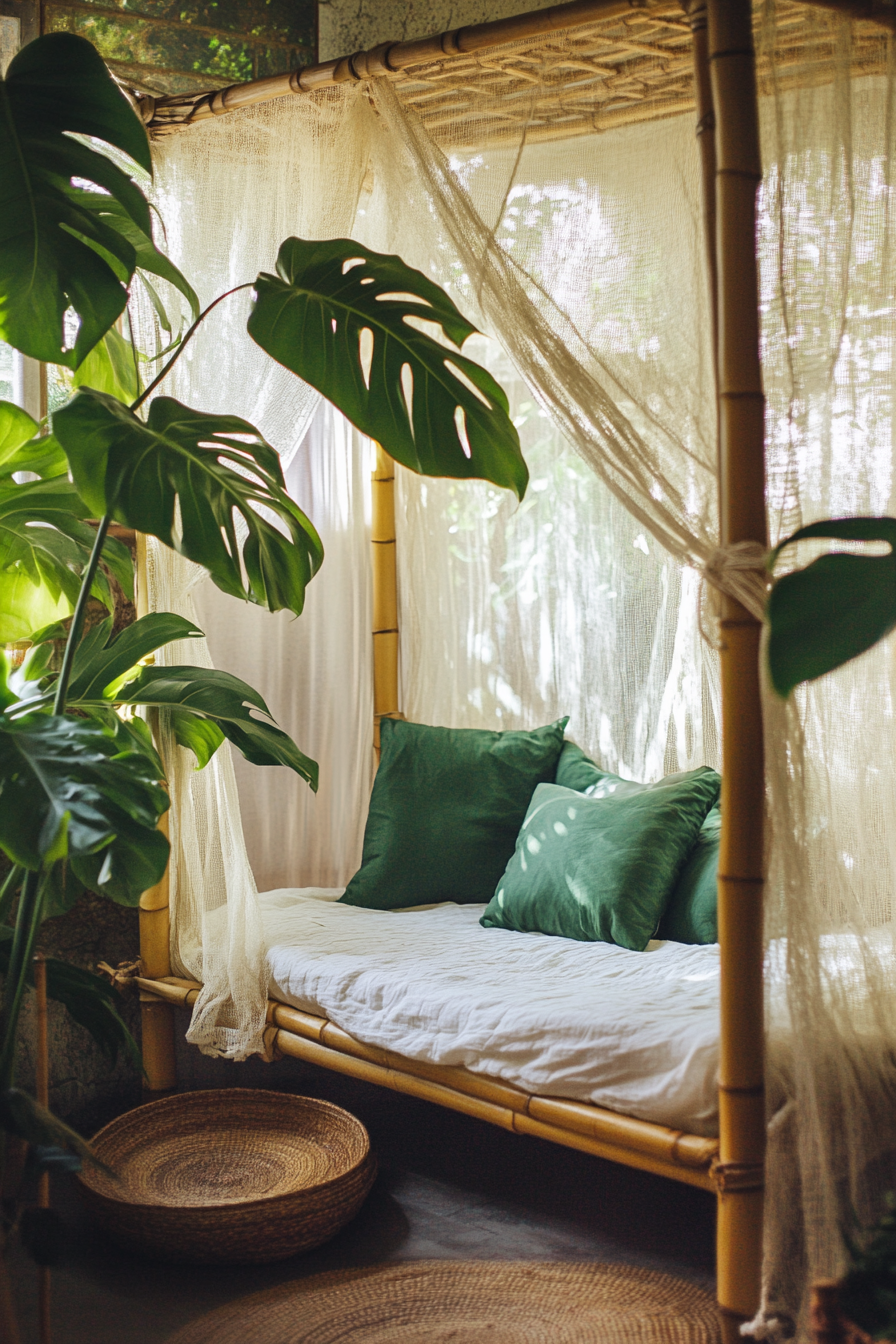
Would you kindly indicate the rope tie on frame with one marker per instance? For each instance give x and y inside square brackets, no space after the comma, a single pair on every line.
[739,571]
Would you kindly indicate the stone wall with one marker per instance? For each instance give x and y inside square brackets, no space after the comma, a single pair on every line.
[357,25]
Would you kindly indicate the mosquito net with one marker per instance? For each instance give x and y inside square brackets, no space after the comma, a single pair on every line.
[553,188]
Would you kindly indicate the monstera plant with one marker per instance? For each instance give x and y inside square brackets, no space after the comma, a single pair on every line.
[81,786]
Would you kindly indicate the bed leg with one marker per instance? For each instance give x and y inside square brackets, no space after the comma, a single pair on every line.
[156,1018]
[157,1035]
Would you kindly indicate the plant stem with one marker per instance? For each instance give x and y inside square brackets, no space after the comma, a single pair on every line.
[8,890]
[74,634]
[28,918]
[188,335]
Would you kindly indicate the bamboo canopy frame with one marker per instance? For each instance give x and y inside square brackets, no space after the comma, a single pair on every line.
[715,39]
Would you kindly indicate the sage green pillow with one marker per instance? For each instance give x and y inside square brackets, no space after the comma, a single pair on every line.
[601,869]
[691,913]
[446,808]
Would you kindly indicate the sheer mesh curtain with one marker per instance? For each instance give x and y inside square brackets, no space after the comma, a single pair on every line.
[229,192]
[828,281]
[568,603]
[315,673]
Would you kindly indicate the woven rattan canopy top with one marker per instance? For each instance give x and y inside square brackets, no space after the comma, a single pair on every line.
[622,64]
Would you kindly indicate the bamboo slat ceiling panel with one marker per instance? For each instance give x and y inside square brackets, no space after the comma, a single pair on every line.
[607,72]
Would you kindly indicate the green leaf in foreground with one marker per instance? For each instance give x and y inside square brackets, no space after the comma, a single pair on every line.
[432,408]
[110,367]
[837,607]
[56,252]
[226,703]
[21,1115]
[101,659]
[45,543]
[88,999]
[16,428]
[68,791]
[212,467]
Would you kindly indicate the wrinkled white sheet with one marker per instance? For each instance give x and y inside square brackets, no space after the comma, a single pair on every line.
[633,1031]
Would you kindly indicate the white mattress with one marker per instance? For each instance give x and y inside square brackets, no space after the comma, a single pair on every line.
[633,1031]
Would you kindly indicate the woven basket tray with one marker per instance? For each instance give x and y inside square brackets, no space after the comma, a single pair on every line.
[230,1176]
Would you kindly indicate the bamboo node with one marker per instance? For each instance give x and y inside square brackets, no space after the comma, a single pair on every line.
[737,1177]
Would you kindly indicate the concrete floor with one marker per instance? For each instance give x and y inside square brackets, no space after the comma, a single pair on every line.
[448,1187]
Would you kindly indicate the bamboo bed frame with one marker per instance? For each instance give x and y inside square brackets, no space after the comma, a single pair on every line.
[724,94]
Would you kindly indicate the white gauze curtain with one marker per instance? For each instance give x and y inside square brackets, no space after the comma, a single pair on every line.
[828,279]
[229,192]
[579,257]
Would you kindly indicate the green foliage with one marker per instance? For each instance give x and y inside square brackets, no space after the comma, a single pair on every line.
[206,705]
[45,541]
[149,259]
[102,662]
[837,607]
[67,791]
[868,1291]
[56,251]
[90,1000]
[16,428]
[110,367]
[140,472]
[21,1115]
[226,702]
[311,317]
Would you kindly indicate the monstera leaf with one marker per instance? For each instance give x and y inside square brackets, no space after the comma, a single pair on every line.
[149,259]
[837,607]
[343,319]
[16,428]
[207,466]
[103,661]
[21,451]
[56,252]
[205,705]
[89,999]
[111,367]
[68,791]
[225,703]
[45,541]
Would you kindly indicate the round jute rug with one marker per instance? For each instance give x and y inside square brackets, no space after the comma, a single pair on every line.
[468,1302]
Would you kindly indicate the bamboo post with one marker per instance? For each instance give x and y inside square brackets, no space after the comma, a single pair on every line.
[156,1018]
[42,1091]
[385,593]
[739,1174]
[706,142]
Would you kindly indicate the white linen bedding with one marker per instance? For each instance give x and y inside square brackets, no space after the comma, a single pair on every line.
[636,1032]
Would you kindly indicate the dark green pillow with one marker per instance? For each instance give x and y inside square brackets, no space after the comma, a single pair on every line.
[601,869]
[691,913]
[446,808]
[577,771]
